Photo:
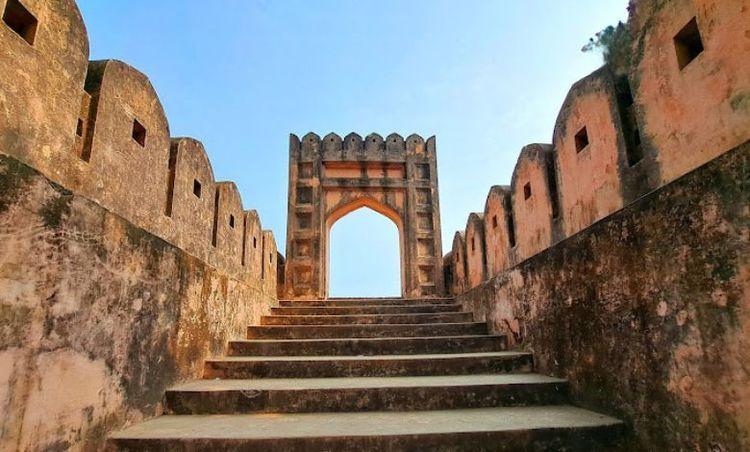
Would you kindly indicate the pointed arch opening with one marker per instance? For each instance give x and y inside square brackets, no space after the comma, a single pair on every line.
[364,254]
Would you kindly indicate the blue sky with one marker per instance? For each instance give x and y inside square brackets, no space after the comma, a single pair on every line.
[485,77]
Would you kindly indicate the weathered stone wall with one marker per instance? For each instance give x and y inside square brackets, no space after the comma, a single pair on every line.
[690,114]
[646,312]
[98,316]
[98,128]
[458,262]
[624,131]
[123,263]
[476,264]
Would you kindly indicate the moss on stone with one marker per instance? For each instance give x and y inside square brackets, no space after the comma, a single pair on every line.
[741,102]
[13,323]
[56,208]
[14,177]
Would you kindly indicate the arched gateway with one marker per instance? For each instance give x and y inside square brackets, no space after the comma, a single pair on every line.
[330,178]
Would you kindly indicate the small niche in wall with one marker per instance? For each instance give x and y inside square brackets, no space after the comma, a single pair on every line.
[424,221]
[79,127]
[527,190]
[473,244]
[244,238]
[423,171]
[231,221]
[139,133]
[304,195]
[305,170]
[20,20]
[255,242]
[511,231]
[494,221]
[304,220]
[582,139]
[197,188]
[425,248]
[688,43]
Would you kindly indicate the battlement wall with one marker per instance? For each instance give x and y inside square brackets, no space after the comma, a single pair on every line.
[354,148]
[99,129]
[621,134]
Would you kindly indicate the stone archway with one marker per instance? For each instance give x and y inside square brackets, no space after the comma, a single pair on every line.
[330,178]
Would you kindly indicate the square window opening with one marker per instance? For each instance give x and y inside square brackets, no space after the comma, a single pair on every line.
[197,188]
[582,139]
[527,190]
[688,43]
[139,133]
[20,20]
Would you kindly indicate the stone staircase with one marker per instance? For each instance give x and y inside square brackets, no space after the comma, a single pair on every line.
[371,374]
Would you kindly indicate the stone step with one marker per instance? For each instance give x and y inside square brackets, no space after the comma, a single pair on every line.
[366,302]
[355,331]
[367,366]
[308,395]
[367,319]
[367,346]
[498,429]
[353,310]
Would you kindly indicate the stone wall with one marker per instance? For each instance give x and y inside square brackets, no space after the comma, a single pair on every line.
[98,129]
[98,316]
[646,312]
[622,132]
[123,262]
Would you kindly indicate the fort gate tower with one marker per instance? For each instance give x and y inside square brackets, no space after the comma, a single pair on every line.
[330,178]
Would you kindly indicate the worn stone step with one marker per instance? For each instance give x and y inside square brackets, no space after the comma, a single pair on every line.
[367,319]
[366,302]
[367,366]
[306,395]
[353,310]
[355,331]
[559,427]
[367,346]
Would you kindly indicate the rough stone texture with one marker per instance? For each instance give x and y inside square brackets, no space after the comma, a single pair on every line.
[98,129]
[646,311]
[592,104]
[459,265]
[476,264]
[192,195]
[299,395]
[534,200]
[498,221]
[330,178]
[489,429]
[97,316]
[624,131]
[42,85]
[689,116]
[114,160]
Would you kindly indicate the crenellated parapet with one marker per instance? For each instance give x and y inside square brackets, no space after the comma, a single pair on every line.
[99,129]
[622,133]
[332,176]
